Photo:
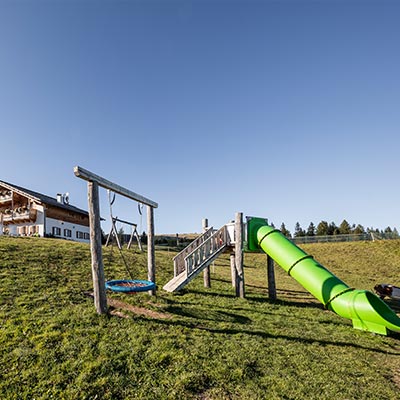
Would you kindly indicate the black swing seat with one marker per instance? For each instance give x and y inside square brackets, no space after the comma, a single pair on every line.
[130,285]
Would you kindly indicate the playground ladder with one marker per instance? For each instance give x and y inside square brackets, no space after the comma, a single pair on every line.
[197,256]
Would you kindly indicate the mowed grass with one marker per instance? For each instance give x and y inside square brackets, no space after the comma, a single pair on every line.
[199,344]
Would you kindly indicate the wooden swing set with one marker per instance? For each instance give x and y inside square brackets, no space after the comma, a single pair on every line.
[113,234]
[99,284]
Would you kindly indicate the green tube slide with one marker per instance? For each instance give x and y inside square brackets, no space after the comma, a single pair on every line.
[367,311]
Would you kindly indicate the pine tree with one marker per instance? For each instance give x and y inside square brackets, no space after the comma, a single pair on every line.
[359,229]
[333,229]
[322,228]
[310,230]
[388,229]
[344,228]
[298,231]
[285,231]
[120,234]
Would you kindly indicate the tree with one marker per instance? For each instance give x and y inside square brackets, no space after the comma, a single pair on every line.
[388,230]
[359,229]
[285,231]
[120,234]
[333,229]
[143,238]
[322,228]
[298,230]
[344,228]
[310,230]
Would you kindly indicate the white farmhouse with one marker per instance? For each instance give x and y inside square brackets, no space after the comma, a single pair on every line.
[24,212]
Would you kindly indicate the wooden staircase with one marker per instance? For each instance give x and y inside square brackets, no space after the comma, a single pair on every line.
[197,256]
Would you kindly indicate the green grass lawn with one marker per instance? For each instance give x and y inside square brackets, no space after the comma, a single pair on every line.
[198,344]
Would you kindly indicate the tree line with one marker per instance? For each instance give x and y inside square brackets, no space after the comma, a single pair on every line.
[324,228]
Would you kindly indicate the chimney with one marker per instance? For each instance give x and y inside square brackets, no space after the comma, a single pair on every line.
[60,198]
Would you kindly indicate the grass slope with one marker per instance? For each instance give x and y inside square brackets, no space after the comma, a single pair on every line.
[200,344]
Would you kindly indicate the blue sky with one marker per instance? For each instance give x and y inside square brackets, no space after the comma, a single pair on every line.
[282,109]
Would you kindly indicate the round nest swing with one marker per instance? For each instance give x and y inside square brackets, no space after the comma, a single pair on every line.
[125,285]
[130,285]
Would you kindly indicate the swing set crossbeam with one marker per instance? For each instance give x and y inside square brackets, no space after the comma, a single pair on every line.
[116,219]
[105,183]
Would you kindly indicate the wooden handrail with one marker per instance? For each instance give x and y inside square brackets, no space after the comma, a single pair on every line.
[179,259]
[206,250]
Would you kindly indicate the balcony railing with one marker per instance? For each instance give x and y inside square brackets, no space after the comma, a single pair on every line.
[5,196]
[19,214]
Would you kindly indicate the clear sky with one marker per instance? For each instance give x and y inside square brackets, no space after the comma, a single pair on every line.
[282,109]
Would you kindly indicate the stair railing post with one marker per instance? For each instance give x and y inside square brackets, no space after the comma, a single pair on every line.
[206,273]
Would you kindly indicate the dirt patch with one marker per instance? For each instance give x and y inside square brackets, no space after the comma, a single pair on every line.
[121,305]
[118,306]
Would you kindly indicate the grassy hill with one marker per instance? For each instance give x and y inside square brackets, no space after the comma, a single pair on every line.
[201,343]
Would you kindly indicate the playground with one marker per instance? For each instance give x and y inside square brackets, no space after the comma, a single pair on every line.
[366,310]
[241,313]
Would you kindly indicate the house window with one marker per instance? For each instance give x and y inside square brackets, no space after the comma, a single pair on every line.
[67,233]
[22,230]
[79,235]
[33,229]
[56,231]
[86,236]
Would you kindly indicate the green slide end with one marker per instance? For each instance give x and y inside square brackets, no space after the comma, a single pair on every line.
[367,311]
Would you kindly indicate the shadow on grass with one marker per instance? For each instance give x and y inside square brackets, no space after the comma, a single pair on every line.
[266,335]
[223,316]
[207,292]
[209,315]
[258,299]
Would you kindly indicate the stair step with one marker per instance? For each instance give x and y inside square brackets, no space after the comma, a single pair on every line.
[175,282]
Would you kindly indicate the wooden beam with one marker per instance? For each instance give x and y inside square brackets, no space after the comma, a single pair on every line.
[91,177]
[116,219]
[240,292]
[99,287]
[151,257]
[233,269]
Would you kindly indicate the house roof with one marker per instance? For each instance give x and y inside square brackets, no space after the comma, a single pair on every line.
[42,198]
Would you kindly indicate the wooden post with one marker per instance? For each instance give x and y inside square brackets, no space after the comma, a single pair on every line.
[240,291]
[271,278]
[151,258]
[99,288]
[233,269]
[206,272]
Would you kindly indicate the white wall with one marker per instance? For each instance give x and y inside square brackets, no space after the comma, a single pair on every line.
[74,228]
